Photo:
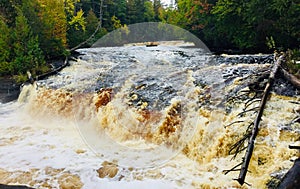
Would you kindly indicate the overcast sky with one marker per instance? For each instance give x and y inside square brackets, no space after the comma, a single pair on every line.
[166,1]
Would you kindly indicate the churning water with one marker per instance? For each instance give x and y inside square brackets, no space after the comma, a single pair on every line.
[158,127]
[141,117]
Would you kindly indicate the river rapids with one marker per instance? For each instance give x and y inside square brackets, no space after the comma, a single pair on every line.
[144,117]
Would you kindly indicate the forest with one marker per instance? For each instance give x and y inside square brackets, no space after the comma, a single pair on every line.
[33,32]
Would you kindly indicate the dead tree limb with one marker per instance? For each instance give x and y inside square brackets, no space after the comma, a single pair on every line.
[53,72]
[31,79]
[291,78]
[249,151]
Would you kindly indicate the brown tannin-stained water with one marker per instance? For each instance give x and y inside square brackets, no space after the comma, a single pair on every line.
[138,117]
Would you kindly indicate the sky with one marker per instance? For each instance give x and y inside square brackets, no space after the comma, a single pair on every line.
[166,1]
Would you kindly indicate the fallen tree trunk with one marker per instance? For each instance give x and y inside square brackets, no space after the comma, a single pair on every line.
[249,151]
[45,75]
[55,71]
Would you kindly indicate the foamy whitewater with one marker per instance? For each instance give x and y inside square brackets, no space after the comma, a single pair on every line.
[137,117]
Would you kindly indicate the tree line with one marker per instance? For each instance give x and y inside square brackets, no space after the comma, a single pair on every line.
[36,31]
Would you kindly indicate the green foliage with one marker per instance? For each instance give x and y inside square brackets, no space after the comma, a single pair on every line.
[7,12]
[20,78]
[75,36]
[270,42]
[53,30]
[116,22]
[158,9]
[249,24]
[34,30]
[78,21]
[26,52]
[293,62]
[5,66]
[149,12]
[91,24]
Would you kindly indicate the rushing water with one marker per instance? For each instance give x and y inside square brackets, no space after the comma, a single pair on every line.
[158,114]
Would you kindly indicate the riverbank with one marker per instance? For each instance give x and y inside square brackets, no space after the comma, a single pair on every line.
[10,89]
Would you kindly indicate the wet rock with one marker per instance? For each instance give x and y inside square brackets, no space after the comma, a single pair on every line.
[276,177]
[292,179]
[103,97]
[9,90]
[284,88]
[108,169]
[69,181]
[80,151]
[244,59]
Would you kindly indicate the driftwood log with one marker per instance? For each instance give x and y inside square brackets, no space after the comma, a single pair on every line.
[291,179]
[249,151]
[253,127]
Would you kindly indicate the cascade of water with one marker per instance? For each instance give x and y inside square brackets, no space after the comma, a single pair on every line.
[158,113]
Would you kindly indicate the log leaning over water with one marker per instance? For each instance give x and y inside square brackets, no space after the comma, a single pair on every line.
[250,148]
[55,71]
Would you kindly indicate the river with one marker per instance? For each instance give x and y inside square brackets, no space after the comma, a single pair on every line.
[143,117]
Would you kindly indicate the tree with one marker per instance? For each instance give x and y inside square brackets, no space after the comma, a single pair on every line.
[286,23]
[53,30]
[248,25]
[91,24]
[5,66]
[26,52]
[139,11]
[8,12]
[74,17]
[149,14]
[157,7]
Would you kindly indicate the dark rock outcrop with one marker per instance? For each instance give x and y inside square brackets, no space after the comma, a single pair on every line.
[292,178]
[2,186]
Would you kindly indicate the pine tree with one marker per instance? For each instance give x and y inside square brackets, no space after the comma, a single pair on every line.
[53,35]
[5,66]
[26,52]
[157,6]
